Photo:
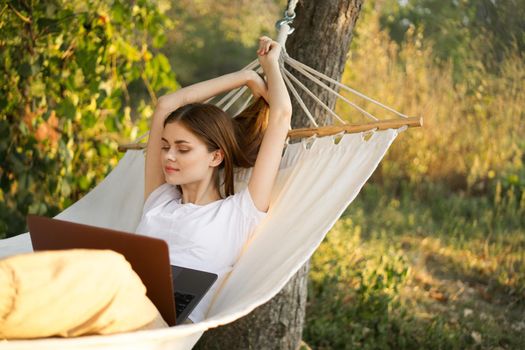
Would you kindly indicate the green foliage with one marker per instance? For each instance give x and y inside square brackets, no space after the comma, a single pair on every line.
[460,30]
[422,268]
[64,99]
[473,130]
[444,212]
[352,296]
[216,37]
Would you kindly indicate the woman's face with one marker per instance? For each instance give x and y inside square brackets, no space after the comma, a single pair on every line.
[185,158]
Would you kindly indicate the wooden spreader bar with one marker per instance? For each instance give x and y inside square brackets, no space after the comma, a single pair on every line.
[325,130]
[354,128]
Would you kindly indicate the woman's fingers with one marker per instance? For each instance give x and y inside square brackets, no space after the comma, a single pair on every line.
[265,44]
[269,51]
[264,38]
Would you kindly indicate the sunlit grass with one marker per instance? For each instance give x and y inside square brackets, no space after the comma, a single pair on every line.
[431,254]
[414,270]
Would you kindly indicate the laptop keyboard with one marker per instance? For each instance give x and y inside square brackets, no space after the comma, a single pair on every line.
[181,301]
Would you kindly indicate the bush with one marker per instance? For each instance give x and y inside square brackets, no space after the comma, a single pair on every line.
[64,97]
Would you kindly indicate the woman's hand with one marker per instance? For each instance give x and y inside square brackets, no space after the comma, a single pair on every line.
[268,52]
[257,85]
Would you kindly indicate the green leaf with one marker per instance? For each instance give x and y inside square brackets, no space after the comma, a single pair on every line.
[65,190]
[66,109]
[159,40]
[37,88]
[89,120]
[103,150]
[84,183]
[24,70]
[87,60]
[48,25]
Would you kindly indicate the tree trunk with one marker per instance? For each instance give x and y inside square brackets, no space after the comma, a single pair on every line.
[278,324]
[321,40]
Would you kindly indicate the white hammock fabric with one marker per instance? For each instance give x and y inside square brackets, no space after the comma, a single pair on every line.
[317,180]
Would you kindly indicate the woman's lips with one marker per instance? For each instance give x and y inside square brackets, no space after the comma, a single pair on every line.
[170,169]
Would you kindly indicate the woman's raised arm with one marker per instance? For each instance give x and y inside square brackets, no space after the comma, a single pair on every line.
[198,92]
[270,152]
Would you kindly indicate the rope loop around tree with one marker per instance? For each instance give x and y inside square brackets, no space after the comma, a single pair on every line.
[290,12]
[289,15]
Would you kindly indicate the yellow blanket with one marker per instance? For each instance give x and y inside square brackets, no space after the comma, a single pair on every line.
[69,293]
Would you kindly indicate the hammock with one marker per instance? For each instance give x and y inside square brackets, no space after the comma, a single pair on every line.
[318,178]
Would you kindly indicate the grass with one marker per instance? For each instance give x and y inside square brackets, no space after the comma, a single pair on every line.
[421,268]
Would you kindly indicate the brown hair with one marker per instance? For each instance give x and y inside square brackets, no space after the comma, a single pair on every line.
[239,138]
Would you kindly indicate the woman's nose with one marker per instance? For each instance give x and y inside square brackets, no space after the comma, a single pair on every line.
[171,155]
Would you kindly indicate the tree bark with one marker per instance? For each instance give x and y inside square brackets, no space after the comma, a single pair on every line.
[321,40]
[278,324]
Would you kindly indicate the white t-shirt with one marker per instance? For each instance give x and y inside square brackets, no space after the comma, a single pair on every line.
[203,237]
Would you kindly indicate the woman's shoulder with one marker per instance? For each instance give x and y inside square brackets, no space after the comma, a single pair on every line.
[164,193]
[242,200]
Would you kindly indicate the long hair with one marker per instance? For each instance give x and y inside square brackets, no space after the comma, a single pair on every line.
[238,138]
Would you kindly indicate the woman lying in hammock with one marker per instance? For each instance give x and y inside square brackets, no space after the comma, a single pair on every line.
[203,220]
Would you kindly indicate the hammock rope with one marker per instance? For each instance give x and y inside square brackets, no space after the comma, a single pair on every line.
[347,88]
[300,100]
[329,89]
[312,95]
[283,25]
[291,8]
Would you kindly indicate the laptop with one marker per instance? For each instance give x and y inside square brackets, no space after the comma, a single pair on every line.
[174,290]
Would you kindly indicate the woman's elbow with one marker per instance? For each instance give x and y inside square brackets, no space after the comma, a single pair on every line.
[288,112]
[162,103]
[170,102]
[283,114]
[286,109]
[280,121]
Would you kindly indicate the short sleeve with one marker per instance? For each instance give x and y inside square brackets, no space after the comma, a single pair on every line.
[248,206]
[252,215]
[160,195]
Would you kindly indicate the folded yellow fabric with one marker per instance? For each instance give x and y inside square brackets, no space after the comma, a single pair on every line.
[70,293]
